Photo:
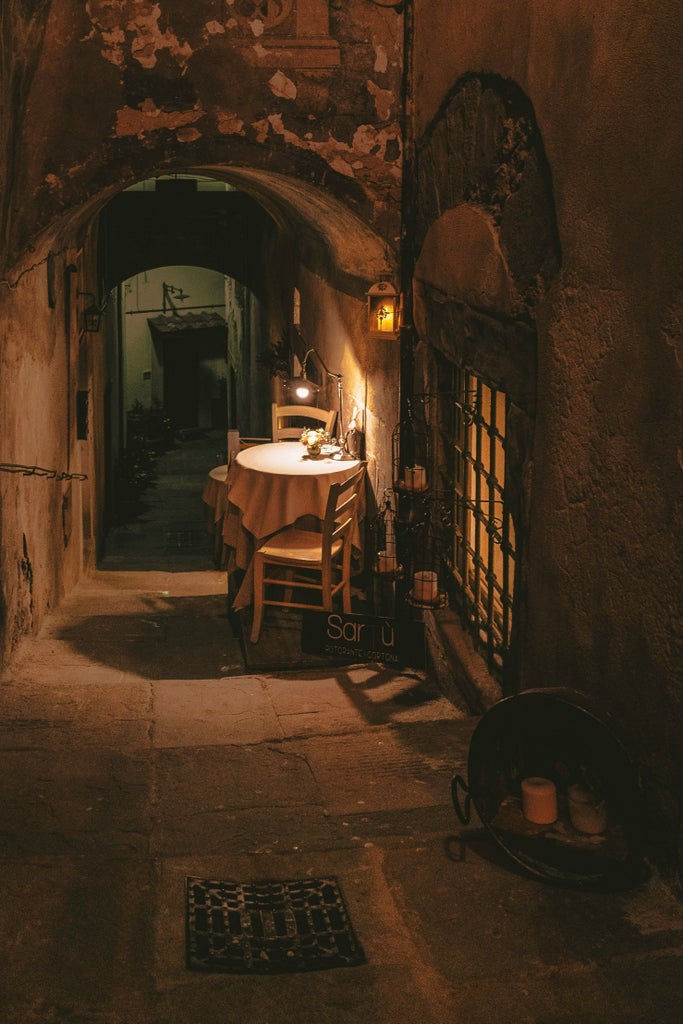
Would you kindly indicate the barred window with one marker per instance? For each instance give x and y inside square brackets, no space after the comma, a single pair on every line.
[483,552]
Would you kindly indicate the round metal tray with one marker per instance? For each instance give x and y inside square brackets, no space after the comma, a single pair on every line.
[561,735]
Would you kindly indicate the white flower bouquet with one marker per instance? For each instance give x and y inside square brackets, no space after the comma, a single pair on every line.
[314,440]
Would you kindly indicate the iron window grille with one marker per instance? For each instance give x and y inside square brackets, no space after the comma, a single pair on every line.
[483,542]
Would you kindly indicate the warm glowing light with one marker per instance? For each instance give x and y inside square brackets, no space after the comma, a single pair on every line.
[383,315]
[385,318]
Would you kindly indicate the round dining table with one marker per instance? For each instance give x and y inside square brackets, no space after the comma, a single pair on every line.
[215,494]
[215,497]
[271,486]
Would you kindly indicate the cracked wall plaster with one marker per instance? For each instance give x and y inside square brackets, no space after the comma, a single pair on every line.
[123,88]
[142,21]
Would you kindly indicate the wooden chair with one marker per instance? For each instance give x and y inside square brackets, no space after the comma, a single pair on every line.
[326,556]
[305,416]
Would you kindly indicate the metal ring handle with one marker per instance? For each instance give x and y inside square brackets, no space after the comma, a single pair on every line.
[464,812]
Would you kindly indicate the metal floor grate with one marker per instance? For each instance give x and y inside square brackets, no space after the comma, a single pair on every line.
[268,927]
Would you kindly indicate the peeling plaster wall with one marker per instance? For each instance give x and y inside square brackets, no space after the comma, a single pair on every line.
[604,545]
[119,91]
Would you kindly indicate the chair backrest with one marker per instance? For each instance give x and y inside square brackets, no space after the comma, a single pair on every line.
[290,420]
[341,510]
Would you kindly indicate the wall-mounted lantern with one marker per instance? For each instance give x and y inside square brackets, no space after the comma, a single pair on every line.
[383,310]
[92,314]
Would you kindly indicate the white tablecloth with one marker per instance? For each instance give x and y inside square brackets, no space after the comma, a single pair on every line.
[271,486]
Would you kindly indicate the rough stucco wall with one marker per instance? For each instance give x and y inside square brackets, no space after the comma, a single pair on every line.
[605,574]
[37,566]
[337,326]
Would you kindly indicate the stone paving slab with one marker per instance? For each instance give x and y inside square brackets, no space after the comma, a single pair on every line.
[318,702]
[240,797]
[205,712]
[548,953]
[377,769]
[250,830]
[82,800]
[91,710]
[395,985]
[77,940]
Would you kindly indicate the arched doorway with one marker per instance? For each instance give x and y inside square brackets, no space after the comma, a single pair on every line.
[291,279]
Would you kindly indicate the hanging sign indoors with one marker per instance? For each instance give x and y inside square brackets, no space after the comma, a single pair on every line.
[363,638]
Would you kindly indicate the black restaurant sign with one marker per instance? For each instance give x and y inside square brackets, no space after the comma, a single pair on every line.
[363,638]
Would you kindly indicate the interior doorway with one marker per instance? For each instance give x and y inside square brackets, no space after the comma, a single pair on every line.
[194,388]
[181,361]
[175,344]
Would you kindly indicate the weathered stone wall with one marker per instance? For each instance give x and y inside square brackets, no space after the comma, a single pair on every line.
[604,574]
[335,325]
[50,515]
[106,94]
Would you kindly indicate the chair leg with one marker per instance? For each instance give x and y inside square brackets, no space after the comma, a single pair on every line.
[346,570]
[258,599]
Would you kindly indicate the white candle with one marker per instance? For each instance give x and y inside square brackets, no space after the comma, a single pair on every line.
[587,813]
[539,800]
[386,561]
[426,587]
[415,478]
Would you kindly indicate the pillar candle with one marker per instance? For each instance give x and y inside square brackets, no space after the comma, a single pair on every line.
[415,478]
[426,587]
[539,800]
[586,813]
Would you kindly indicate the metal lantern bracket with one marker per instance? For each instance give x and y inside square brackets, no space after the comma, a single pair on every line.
[411,455]
[92,314]
[385,530]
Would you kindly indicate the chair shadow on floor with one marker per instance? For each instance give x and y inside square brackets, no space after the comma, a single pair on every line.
[153,643]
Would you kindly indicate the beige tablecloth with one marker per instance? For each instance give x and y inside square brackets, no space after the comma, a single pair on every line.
[272,486]
[215,493]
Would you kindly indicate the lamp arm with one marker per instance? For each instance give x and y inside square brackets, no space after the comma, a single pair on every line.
[101,305]
[333,376]
[330,374]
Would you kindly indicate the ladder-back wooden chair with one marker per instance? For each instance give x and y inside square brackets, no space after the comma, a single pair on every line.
[284,428]
[325,556]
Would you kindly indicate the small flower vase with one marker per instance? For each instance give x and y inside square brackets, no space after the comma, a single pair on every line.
[314,450]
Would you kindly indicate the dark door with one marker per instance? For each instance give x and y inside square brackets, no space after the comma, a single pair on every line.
[181,381]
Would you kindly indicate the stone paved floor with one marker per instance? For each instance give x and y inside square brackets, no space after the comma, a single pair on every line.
[135,750]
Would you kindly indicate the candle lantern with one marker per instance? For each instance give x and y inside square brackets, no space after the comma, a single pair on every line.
[383,310]
[385,565]
[410,448]
[425,578]
[384,538]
